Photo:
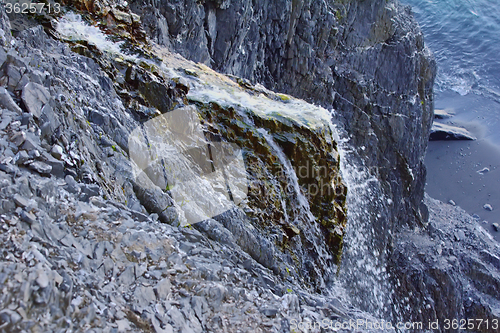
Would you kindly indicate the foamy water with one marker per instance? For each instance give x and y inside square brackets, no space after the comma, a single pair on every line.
[465,39]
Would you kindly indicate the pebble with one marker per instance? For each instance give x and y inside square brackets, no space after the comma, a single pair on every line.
[28,217]
[483,171]
[488,207]
[496,226]
[42,280]
[57,152]
[21,201]
[451,202]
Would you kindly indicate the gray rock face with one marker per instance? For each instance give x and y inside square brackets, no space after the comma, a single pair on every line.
[89,252]
[366,59]
[5,35]
[450,270]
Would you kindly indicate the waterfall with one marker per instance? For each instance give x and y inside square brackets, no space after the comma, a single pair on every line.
[363,268]
[302,212]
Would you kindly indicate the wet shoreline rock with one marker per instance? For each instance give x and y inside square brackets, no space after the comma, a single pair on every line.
[441,131]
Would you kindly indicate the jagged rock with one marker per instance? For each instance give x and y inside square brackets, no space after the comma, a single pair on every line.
[459,264]
[31,143]
[21,157]
[57,152]
[57,167]
[144,296]
[8,103]
[18,138]
[127,277]
[447,132]
[49,121]
[34,97]
[5,33]
[350,62]
[43,279]
[5,122]
[41,168]
[163,289]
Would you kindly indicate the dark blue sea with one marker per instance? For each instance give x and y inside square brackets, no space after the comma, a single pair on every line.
[464,36]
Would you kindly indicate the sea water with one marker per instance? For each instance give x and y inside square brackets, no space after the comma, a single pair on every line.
[464,36]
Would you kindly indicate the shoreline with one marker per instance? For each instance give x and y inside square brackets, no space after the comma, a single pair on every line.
[453,166]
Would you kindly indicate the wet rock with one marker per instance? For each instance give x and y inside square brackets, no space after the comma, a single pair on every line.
[441,114]
[447,132]
[34,97]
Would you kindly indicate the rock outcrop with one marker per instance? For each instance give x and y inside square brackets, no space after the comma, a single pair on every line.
[110,210]
[81,206]
[449,272]
[365,59]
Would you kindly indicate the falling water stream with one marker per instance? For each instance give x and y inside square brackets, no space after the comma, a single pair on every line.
[363,282]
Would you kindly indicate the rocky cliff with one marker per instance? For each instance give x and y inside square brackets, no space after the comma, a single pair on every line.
[366,59]
[102,139]
[144,191]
